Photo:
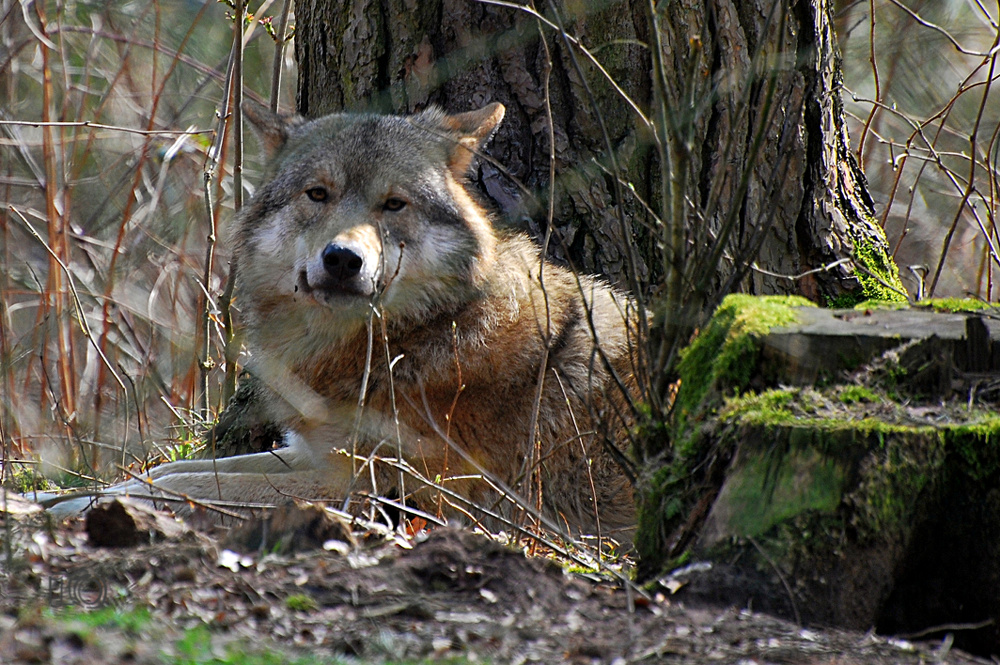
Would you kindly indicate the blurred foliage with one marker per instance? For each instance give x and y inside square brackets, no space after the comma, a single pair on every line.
[114,187]
[919,90]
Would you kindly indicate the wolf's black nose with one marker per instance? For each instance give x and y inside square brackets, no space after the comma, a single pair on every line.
[342,263]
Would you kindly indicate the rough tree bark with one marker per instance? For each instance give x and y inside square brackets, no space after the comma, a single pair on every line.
[805,204]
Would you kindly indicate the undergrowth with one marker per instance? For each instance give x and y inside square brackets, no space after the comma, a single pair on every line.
[116,190]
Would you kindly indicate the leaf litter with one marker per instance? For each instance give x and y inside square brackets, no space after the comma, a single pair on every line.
[436,595]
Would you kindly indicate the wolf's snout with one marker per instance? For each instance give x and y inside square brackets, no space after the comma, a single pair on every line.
[341,262]
[343,269]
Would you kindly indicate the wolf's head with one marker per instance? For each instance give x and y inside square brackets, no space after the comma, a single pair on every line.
[357,209]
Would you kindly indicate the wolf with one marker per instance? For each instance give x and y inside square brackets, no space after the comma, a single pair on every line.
[408,346]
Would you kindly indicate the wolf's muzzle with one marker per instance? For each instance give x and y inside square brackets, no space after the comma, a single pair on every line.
[340,271]
[341,262]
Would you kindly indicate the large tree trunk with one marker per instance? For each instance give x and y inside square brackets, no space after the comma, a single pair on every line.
[750,89]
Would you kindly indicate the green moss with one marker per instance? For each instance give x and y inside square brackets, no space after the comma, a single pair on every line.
[949,305]
[881,304]
[769,492]
[843,301]
[813,466]
[300,602]
[815,474]
[902,461]
[768,408]
[856,394]
[799,407]
[952,305]
[723,357]
[721,360]
[977,445]
[884,269]
[876,272]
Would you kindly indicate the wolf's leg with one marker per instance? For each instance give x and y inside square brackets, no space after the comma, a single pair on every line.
[297,457]
[247,487]
[332,483]
[278,461]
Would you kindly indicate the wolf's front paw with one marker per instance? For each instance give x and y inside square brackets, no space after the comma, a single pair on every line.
[61,506]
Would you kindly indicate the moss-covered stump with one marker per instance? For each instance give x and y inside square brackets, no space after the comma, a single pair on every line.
[858,515]
[858,501]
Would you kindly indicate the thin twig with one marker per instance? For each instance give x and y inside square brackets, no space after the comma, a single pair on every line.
[947,626]
[81,316]
[794,278]
[784,582]
[97,125]
[279,54]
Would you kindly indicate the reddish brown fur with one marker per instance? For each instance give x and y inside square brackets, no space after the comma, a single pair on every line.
[497,344]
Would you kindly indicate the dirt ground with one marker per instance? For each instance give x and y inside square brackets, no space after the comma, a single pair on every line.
[444,594]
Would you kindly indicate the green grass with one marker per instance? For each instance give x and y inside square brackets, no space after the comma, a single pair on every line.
[300,603]
[200,645]
[185,449]
[24,479]
[197,648]
[133,621]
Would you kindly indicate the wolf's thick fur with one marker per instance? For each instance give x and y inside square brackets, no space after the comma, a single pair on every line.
[368,267]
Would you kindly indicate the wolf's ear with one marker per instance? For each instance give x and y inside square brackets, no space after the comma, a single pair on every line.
[474,129]
[272,129]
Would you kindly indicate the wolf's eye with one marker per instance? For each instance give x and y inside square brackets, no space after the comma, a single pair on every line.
[318,194]
[393,204]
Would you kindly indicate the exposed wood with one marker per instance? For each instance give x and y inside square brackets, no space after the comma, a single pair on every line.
[826,341]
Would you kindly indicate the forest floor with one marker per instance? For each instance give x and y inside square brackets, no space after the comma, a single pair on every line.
[447,595]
